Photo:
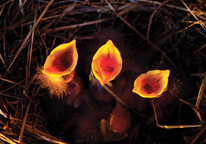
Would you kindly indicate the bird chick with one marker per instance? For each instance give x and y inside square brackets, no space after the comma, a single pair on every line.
[58,73]
[116,126]
[87,127]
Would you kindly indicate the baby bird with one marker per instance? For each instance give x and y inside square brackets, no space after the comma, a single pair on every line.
[116,126]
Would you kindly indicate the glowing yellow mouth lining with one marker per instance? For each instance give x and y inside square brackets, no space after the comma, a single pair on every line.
[61,62]
[151,84]
[106,63]
[56,79]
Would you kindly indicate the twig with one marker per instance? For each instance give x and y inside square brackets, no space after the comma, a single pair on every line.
[198,135]
[30,32]
[6,139]
[141,35]
[1,58]
[9,96]
[77,25]
[201,23]
[198,13]
[151,17]
[201,91]
[121,101]
[126,8]
[43,135]
[21,7]
[4,46]
[171,126]
[159,3]
[29,55]
[42,39]
[3,6]
[199,49]
[9,81]
[198,74]
[12,86]
[24,121]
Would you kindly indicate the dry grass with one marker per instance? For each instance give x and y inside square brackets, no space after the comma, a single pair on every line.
[172,31]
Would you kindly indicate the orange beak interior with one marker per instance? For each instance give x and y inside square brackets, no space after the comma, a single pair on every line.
[60,64]
[151,84]
[107,63]
[62,60]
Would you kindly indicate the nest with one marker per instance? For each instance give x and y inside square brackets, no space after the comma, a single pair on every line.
[156,34]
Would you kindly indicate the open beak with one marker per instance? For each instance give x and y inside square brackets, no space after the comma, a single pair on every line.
[151,84]
[106,63]
[61,62]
